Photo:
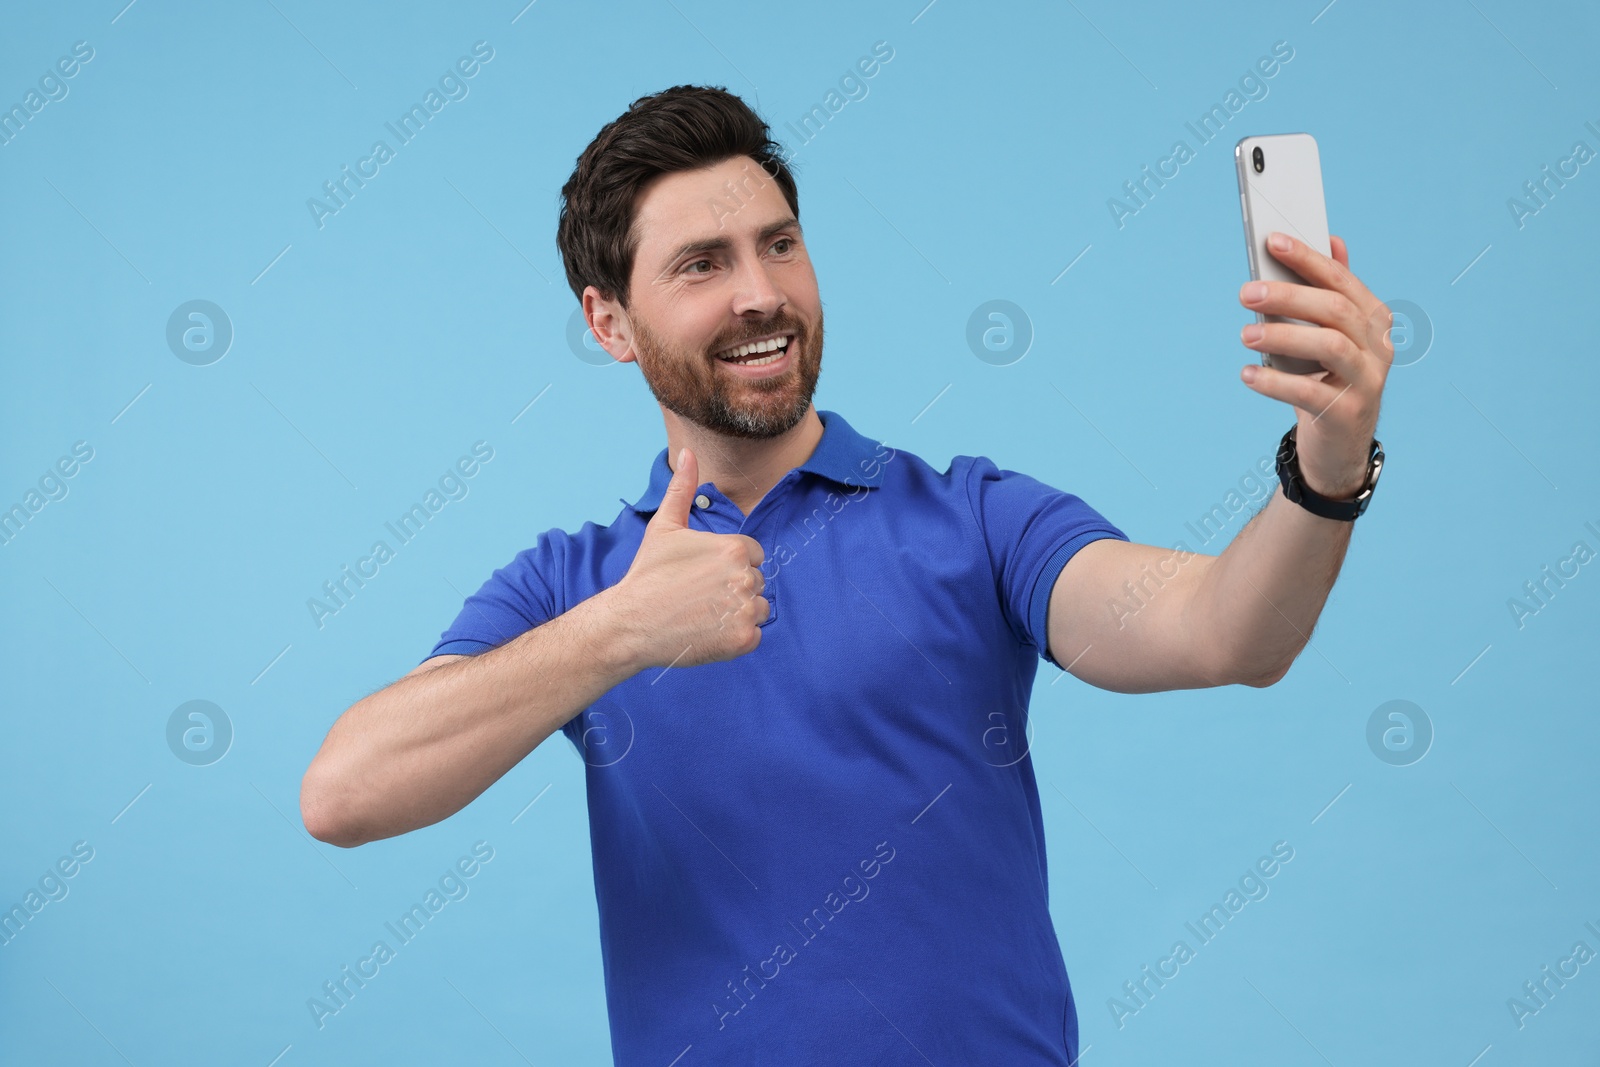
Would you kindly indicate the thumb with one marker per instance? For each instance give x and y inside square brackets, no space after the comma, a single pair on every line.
[673,514]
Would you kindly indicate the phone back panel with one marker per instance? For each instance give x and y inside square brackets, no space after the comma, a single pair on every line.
[1285,196]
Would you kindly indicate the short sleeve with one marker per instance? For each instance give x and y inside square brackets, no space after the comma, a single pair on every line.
[1031,530]
[515,599]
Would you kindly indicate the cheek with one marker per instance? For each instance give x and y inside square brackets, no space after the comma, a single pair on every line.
[803,278]
[689,328]
[800,300]
[810,302]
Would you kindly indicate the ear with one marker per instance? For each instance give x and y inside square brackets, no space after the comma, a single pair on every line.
[609,324]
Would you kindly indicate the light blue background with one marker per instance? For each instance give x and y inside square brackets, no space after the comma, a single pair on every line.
[429,312]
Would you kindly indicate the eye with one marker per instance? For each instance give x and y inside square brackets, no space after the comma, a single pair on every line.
[783,241]
[696,263]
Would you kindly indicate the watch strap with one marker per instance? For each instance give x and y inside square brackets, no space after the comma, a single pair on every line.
[1295,488]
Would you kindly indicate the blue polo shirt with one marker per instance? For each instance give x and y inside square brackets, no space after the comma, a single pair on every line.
[829,850]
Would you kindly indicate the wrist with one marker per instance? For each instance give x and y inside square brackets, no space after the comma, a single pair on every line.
[623,648]
[1327,497]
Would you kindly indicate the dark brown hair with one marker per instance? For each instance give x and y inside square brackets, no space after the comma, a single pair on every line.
[686,127]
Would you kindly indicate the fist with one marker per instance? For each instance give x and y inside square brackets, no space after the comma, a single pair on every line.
[695,595]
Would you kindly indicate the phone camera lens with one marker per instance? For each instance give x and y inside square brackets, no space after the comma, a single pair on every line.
[1259,159]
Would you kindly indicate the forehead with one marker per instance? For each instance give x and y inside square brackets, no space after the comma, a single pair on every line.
[730,199]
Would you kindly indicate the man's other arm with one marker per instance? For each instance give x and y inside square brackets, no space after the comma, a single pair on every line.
[1119,621]
[1140,619]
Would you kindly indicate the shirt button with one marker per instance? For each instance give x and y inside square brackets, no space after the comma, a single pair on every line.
[702,501]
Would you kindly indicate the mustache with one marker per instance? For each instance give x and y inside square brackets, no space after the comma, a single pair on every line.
[791,326]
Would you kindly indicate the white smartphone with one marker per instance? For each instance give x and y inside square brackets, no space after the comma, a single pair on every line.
[1280,188]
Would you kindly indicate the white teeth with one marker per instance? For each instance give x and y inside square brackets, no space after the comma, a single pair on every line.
[760,346]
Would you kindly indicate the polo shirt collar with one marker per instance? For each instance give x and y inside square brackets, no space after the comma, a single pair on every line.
[842,456]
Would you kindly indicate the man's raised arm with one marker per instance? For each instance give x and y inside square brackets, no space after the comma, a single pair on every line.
[1136,618]
[423,748]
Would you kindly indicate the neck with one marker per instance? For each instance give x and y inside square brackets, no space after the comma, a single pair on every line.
[743,469]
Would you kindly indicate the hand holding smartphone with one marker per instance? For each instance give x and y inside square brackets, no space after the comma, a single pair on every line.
[1280,188]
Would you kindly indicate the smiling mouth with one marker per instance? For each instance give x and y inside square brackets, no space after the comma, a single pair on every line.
[757,353]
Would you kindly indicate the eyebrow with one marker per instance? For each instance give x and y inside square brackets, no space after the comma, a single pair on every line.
[717,244]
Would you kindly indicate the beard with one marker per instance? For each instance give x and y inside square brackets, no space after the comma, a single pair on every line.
[688,383]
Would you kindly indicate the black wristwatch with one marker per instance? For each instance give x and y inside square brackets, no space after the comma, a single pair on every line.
[1295,488]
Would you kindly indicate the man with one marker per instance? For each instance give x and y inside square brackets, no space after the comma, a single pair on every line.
[798,666]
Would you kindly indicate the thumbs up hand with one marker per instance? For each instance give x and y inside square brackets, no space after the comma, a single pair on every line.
[692,596]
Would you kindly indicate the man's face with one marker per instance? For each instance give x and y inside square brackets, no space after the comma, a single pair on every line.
[720,262]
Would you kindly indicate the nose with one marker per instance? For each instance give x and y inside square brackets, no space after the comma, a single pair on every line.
[756,294]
